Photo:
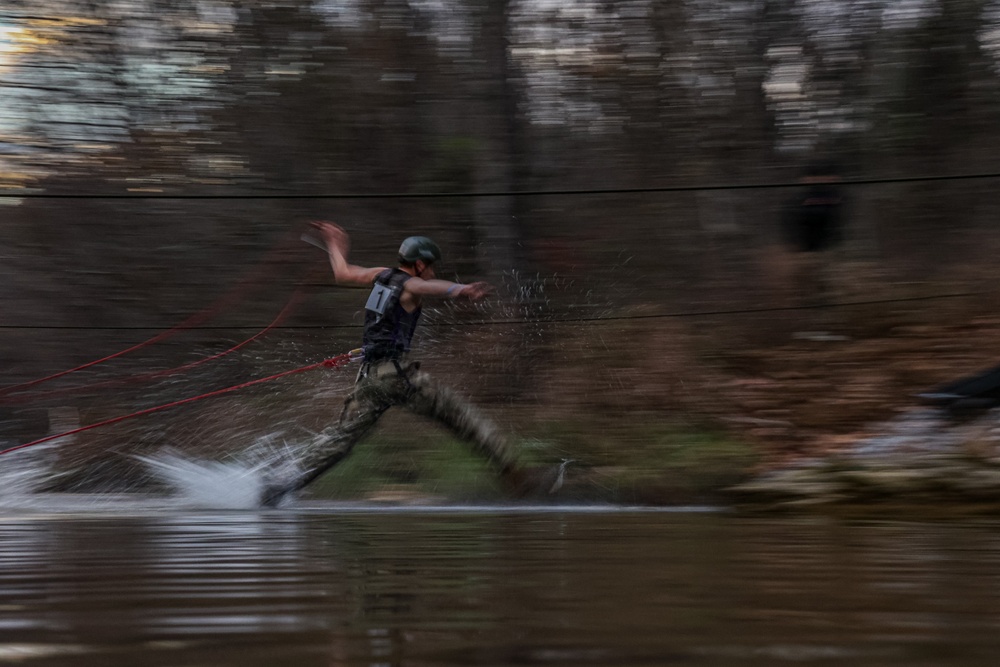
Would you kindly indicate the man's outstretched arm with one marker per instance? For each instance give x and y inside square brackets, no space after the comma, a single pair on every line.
[338,244]
[446,288]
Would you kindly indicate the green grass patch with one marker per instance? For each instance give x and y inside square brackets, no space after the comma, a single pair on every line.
[699,460]
[641,457]
[431,465]
[645,456]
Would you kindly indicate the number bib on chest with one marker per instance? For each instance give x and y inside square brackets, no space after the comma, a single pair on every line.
[379,299]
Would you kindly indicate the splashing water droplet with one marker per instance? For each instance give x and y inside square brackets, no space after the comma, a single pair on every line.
[235,484]
[23,472]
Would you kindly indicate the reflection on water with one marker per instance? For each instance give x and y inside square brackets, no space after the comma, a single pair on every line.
[324,586]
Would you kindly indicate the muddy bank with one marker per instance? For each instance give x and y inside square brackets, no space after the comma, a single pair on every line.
[925,456]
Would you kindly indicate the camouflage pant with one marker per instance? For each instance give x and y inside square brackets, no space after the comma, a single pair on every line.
[383,385]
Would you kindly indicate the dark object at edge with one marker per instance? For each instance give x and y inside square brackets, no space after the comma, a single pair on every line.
[979,391]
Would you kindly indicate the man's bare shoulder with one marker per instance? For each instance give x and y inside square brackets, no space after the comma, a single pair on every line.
[362,276]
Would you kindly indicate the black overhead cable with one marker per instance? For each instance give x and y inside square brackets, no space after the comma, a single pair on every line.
[145,194]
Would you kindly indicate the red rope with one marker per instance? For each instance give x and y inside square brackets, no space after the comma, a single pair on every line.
[255,277]
[334,362]
[293,301]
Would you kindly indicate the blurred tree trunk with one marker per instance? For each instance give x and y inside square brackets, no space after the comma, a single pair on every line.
[498,168]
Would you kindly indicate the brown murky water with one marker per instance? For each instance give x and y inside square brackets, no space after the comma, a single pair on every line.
[329,585]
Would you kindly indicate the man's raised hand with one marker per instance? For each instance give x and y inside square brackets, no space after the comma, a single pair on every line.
[334,235]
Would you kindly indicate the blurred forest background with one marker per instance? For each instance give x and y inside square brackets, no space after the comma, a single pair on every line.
[159,159]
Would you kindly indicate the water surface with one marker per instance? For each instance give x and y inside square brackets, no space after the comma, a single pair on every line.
[138,584]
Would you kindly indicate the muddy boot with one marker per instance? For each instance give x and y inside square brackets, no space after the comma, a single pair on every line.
[535,482]
[281,485]
[274,495]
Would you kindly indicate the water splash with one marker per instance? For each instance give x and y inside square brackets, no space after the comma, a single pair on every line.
[24,472]
[237,483]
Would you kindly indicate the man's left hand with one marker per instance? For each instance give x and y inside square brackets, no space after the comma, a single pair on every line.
[476,291]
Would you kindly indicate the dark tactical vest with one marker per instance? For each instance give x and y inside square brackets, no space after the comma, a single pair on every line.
[388,327]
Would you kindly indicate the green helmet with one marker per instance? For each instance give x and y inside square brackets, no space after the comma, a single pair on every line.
[419,247]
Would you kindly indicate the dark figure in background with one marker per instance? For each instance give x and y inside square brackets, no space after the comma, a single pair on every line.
[388,379]
[815,221]
[813,227]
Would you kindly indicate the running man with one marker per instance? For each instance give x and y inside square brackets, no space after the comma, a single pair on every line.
[387,379]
